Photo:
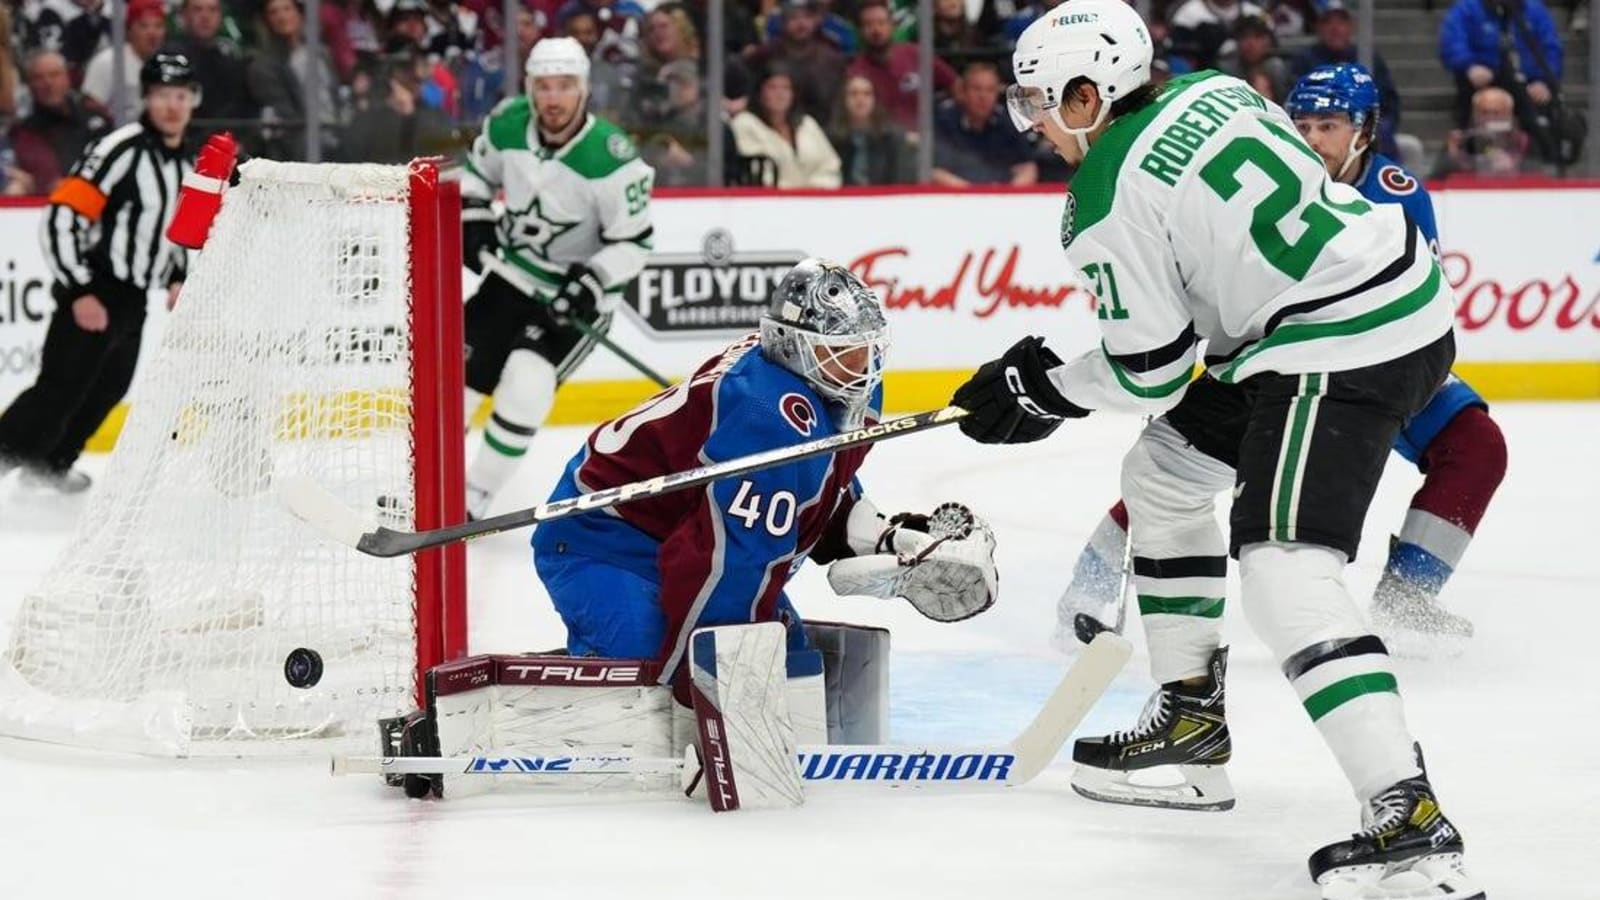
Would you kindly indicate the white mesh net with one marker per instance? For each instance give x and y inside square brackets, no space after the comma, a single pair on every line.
[164,628]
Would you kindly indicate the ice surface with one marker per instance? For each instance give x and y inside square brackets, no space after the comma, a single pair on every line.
[1509,728]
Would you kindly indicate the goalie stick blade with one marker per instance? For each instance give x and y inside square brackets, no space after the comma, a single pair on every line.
[316,506]
[1093,671]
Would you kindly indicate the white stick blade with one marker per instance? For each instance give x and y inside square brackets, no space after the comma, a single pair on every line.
[316,506]
[1093,671]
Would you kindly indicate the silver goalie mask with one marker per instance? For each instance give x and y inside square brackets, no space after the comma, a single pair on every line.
[826,326]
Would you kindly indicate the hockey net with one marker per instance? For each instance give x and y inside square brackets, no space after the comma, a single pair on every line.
[319,333]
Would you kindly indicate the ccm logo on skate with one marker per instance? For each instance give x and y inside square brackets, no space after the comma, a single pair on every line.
[906,766]
[541,673]
[520,764]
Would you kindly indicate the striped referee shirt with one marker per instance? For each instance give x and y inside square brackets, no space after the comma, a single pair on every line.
[106,228]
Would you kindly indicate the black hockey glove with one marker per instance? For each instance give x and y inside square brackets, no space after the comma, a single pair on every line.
[579,296]
[1011,400]
[477,235]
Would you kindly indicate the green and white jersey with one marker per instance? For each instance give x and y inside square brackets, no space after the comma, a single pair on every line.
[1206,217]
[587,201]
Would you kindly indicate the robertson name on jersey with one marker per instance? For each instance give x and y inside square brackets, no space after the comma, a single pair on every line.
[1206,217]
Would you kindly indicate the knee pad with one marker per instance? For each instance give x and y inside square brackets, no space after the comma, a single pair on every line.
[1169,489]
[1294,596]
[527,389]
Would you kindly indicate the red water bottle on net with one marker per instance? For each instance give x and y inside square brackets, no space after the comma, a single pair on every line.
[201,194]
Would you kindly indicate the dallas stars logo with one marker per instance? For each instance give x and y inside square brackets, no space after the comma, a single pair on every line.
[1067,216]
[532,230]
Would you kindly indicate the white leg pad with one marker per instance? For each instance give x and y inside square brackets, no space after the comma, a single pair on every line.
[740,687]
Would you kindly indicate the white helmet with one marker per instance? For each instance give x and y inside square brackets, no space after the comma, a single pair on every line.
[558,56]
[1104,41]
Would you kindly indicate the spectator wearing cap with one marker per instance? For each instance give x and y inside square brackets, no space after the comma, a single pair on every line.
[671,125]
[1199,28]
[277,75]
[1252,57]
[218,62]
[775,127]
[872,148]
[892,69]
[406,39]
[810,62]
[619,17]
[61,124]
[75,28]
[974,139]
[834,28]
[1470,47]
[1336,44]
[147,30]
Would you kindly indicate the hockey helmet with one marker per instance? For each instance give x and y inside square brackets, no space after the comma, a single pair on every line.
[167,67]
[826,326]
[1340,88]
[1104,41]
[558,56]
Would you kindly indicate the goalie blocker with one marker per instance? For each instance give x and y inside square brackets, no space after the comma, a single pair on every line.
[592,706]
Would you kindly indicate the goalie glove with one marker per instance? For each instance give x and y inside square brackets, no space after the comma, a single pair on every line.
[941,563]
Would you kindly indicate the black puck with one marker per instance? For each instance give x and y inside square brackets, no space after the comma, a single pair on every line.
[303,667]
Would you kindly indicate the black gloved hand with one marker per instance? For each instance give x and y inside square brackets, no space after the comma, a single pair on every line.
[1011,400]
[579,296]
[477,235]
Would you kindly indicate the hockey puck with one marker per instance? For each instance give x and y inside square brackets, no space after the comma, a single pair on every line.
[303,667]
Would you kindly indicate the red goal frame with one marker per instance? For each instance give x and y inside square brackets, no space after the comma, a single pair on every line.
[437,420]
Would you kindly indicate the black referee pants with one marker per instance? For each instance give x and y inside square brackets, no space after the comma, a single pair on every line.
[82,377]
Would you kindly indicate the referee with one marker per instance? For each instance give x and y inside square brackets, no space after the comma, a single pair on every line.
[104,236]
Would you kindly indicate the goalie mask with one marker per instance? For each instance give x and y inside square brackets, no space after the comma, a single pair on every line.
[824,325]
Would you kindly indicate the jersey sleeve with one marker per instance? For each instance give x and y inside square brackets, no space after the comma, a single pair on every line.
[1420,207]
[623,203]
[484,165]
[1147,350]
[728,560]
[76,205]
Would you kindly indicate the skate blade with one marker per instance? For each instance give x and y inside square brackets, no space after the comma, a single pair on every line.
[1202,788]
[1435,877]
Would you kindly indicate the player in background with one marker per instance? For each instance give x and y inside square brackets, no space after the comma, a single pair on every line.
[1198,214]
[576,223]
[633,581]
[1453,441]
[104,237]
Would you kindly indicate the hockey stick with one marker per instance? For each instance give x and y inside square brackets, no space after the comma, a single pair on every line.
[513,276]
[315,505]
[1010,765]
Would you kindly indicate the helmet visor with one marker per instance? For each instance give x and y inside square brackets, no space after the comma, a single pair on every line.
[1027,106]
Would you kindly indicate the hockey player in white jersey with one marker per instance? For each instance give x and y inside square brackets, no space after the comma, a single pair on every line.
[576,226]
[1199,215]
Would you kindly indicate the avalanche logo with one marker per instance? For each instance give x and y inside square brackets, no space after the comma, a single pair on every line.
[1397,181]
[797,412]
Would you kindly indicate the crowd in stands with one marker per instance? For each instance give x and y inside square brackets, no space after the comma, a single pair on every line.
[815,93]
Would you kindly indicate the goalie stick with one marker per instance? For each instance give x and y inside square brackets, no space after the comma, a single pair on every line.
[1016,763]
[315,505]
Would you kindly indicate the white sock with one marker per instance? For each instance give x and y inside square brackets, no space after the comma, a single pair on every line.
[504,445]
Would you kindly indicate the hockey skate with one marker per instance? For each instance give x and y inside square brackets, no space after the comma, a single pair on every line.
[1408,851]
[1181,726]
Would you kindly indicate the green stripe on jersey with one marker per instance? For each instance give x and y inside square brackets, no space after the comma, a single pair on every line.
[1339,693]
[1149,393]
[1370,320]
[1200,607]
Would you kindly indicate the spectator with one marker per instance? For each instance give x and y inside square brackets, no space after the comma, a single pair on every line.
[483,77]
[953,35]
[72,27]
[1253,58]
[1016,22]
[8,67]
[62,123]
[147,29]
[775,127]
[834,28]
[1470,47]
[813,65]
[217,61]
[14,182]
[277,74]
[619,17]
[1493,145]
[406,37]
[1336,44]
[669,38]
[582,26]
[892,68]
[872,148]
[671,125]
[975,142]
[1199,28]
[399,127]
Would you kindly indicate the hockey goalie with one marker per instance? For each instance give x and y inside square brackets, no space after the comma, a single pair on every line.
[677,623]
